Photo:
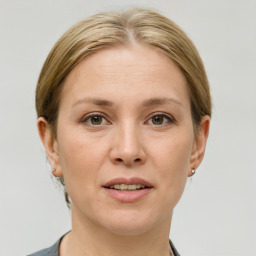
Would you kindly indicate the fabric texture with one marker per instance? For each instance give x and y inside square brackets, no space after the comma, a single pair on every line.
[54,250]
[51,251]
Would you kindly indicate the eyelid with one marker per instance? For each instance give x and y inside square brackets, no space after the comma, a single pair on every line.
[170,118]
[86,117]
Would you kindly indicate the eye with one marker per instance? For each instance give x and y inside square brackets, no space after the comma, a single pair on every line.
[160,119]
[94,120]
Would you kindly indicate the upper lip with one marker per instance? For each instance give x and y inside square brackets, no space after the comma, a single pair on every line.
[128,181]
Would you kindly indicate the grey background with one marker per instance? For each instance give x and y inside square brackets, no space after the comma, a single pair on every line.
[216,215]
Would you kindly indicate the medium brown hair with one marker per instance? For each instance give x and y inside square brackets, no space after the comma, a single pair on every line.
[109,29]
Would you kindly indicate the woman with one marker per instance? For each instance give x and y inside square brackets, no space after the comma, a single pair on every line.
[123,108]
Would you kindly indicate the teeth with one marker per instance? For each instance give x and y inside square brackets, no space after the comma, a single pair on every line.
[127,187]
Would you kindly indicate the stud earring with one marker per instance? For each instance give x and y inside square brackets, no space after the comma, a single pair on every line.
[193,171]
[53,170]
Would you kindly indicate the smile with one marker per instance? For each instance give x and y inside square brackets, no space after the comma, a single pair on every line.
[128,190]
[125,187]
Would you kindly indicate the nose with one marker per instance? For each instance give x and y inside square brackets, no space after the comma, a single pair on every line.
[127,147]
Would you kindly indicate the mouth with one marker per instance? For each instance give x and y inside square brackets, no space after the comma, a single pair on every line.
[125,187]
[130,184]
[128,190]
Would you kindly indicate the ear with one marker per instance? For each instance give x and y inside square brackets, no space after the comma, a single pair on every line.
[199,144]
[50,144]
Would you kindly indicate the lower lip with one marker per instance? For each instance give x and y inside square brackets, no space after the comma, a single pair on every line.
[128,196]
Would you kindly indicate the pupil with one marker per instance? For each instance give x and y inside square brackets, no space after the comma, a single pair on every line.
[158,120]
[96,120]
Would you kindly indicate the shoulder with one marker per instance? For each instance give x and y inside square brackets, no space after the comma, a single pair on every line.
[50,251]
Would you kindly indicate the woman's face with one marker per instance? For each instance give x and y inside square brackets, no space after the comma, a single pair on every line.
[124,118]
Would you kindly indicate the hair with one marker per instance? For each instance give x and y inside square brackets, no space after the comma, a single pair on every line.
[110,29]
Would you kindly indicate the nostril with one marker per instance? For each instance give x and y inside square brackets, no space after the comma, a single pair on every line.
[119,160]
[137,160]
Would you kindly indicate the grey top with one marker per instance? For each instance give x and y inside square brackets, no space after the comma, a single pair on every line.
[54,250]
[51,251]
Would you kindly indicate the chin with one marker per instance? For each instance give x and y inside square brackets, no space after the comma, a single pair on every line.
[128,229]
[132,223]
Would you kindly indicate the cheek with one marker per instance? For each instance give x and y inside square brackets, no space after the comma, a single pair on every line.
[80,158]
[174,153]
[76,147]
[173,164]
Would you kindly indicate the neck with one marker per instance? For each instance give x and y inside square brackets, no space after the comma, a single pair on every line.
[87,238]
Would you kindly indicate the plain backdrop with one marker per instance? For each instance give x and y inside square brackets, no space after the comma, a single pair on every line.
[216,215]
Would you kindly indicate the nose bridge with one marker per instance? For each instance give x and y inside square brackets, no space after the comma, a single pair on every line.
[128,147]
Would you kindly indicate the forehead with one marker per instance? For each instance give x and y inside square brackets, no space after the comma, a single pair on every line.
[126,71]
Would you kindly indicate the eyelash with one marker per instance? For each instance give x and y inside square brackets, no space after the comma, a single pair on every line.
[168,119]
[88,117]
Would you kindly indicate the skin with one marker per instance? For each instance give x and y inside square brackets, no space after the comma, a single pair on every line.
[135,136]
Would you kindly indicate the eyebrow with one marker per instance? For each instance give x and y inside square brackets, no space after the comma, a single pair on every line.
[146,103]
[95,101]
[160,101]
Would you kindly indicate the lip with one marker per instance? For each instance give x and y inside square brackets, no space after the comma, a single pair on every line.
[128,196]
[128,181]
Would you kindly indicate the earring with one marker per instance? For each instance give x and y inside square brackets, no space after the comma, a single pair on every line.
[193,171]
[53,170]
